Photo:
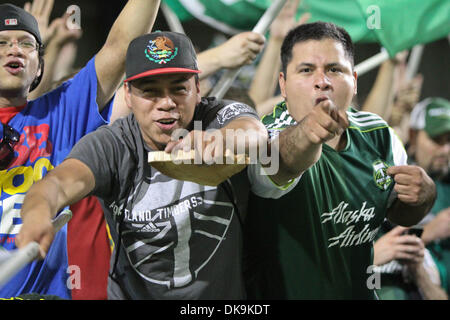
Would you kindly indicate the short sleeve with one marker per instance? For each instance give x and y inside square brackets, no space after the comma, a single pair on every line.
[400,158]
[230,112]
[398,150]
[100,151]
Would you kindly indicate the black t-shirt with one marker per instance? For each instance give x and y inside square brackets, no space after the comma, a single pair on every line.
[178,239]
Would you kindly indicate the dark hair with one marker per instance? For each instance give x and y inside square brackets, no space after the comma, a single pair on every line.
[37,80]
[315,31]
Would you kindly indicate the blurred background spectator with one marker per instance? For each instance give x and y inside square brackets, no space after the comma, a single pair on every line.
[384,90]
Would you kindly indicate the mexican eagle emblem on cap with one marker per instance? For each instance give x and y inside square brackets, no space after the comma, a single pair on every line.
[161,50]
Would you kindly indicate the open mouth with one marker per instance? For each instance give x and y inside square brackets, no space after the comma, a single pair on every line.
[14,67]
[320,99]
[166,124]
[167,121]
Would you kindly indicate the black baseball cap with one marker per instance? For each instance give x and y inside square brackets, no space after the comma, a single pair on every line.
[160,53]
[431,115]
[15,18]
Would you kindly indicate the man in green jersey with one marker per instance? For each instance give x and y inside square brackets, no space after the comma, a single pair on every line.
[316,242]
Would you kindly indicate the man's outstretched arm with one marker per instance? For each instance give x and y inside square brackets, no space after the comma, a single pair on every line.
[136,19]
[300,146]
[66,184]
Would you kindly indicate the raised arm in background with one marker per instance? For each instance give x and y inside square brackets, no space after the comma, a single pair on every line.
[237,51]
[136,19]
[60,37]
[381,96]
[265,81]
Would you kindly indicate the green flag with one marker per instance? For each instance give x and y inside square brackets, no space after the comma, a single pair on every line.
[401,24]
[234,16]
[395,24]
[229,16]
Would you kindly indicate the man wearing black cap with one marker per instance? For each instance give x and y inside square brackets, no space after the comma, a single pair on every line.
[40,133]
[173,239]
[13,19]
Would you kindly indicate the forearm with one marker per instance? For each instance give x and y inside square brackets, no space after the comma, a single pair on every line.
[381,95]
[438,228]
[39,207]
[44,199]
[266,78]
[136,19]
[209,62]
[245,135]
[64,66]
[296,154]
[69,182]
[406,215]
[428,289]
[429,231]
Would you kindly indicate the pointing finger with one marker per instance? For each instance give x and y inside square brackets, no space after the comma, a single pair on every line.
[343,119]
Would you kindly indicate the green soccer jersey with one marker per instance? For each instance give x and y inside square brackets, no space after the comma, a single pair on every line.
[316,242]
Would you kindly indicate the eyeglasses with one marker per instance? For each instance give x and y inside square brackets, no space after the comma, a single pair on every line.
[10,138]
[26,45]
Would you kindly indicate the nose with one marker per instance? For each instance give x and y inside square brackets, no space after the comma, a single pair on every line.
[14,49]
[321,81]
[166,103]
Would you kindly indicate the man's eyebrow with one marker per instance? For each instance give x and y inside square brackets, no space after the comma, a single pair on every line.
[312,65]
[335,64]
[26,38]
[308,64]
[22,37]
[305,64]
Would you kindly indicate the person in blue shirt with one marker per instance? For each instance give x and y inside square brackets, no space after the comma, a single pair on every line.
[37,135]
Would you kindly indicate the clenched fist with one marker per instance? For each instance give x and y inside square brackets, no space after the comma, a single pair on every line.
[324,122]
[412,184]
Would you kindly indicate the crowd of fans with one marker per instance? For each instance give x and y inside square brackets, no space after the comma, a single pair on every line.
[51,106]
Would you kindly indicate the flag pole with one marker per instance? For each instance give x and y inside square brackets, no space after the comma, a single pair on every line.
[414,61]
[172,19]
[379,58]
[261,27]
[372,62]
